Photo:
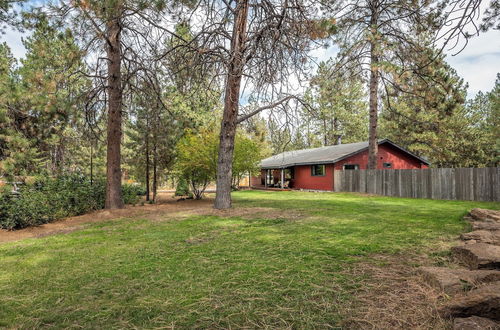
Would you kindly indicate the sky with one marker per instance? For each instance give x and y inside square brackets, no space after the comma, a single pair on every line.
[478,63]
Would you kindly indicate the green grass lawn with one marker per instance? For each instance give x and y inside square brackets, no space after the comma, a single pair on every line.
[273,270]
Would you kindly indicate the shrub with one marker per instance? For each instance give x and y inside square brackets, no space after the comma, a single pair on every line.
[182,188]
[49,199]
[132,193]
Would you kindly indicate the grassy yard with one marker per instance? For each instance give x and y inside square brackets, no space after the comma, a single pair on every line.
[285,264]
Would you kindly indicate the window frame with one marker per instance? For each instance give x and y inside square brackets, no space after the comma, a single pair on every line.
[313,172]
[356,167]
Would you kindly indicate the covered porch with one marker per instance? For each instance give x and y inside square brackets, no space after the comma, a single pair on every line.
[276,178]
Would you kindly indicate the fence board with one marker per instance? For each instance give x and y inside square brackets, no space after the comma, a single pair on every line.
[337,180]
[435,183]
[362,181]
[479,184]
[495,183]
[389,181]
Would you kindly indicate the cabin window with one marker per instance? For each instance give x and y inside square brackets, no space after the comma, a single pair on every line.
[318,170]
[387,165]
[351,167]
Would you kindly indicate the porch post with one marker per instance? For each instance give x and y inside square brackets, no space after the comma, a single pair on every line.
[266,177]
[282,178]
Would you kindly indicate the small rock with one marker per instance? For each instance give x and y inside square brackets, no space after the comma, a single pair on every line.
[478,256]
[475,323]
[452,281]
[484,302]
[485,215]
[482,236]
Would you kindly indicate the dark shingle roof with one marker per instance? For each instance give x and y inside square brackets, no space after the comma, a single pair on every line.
[323,155]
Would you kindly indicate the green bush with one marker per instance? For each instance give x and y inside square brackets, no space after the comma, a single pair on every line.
[132,193]
[50,199]
[182,188]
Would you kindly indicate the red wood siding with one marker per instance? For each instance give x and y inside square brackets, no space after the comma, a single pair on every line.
[304,179]
[386,154]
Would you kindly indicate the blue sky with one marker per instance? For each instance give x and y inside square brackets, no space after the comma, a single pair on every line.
[478,63]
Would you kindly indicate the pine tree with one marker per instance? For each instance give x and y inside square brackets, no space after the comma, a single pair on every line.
[427,115]
[17,153]
[340,112]
[372,35]
[49,92]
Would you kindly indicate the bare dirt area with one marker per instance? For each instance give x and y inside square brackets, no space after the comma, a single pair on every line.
[165,208]
[394,296]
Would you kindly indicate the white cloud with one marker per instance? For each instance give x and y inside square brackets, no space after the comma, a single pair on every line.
[479,62]
[13,40]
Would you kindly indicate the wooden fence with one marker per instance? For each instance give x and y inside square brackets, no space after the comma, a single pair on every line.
[477,184]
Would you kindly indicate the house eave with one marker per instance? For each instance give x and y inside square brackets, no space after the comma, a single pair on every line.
[297,164]
[333,161]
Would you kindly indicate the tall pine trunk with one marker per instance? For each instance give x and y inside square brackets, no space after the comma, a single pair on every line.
[156,129]
[91,163]
[336,128]
[155,173]
[231,102]
[374,81]
[147,161]
[325,133]
[114,129]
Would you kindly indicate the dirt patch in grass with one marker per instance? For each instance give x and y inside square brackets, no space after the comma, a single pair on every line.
[62,226]
[167,209]
[394,296]
[249,213]
[203,238]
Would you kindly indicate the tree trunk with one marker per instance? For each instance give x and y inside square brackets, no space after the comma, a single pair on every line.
[114,129]
[155,176]
[374,80]
[231,102]
[147,162]
[91,163]
[338,137]
[325,133]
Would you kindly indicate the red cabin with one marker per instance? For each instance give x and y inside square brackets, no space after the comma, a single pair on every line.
[313,168]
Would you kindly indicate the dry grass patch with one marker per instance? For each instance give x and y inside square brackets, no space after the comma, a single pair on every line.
[250,213]
[393,296]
